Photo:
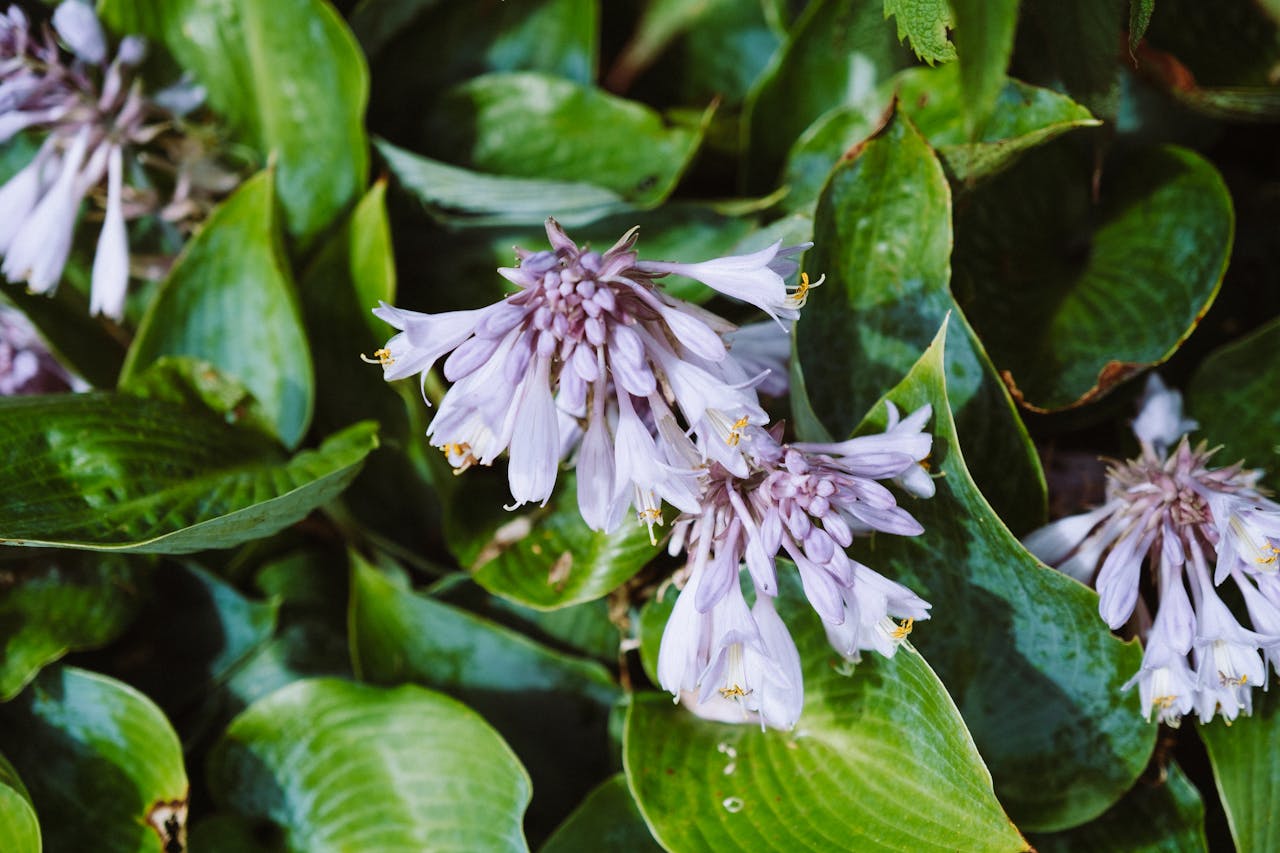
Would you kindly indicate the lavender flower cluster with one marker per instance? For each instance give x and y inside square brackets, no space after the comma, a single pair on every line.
[66,82]
[1170,511]
[655,401]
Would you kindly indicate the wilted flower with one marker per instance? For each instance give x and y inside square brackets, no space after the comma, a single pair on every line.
[1167,510]
[587,335]
[807,501]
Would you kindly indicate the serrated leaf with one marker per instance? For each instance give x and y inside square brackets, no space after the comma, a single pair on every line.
[230,301]
[54,602]
[882,237]
[984,31]
[1244,756]
[1139,17]
[1020,647]
[339,766]
[103,765]
[1072,297]
[551,708]
[880,761]
[1163,815]
[837,53]
[122,473]
[925,23]
[1235,397]
[607,820]
[466,197]
[19,827]
[288,74]
[527,125]
[545,558]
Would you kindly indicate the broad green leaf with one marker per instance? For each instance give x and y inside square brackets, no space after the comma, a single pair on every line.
[1022,117]
[545,557]
[1076,47]
[883,239]
[607,820]
[19,827]
[122,473]
[551,708]
[818,150]
[339,766]
[1158,816]
[79,340]
[1072,297]
[584,629]
[1020,647]
[55,602]
[466,197]
[712,49]
[1235,396]
[984,31]
[838,52]
[102,763]
[192,635]
[880,760]
[925,23]
[528,125]
[465,40]
[1245,756]
[288,74]
[230,301]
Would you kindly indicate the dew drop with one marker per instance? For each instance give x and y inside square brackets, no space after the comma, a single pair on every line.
[732,805]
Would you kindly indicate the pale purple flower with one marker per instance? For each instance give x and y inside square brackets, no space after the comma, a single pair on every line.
[758,279]
[26,365]
[1166,510]
[91,110]
[806,501]
[764,348]
[646,378]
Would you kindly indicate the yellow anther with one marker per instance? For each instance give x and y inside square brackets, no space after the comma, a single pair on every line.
[735,431]
[903,629]
[1164,701]
[800,295]
[650,516]
[460,456]
[734,692]
[1227,681]
[1270,558]
[382,357]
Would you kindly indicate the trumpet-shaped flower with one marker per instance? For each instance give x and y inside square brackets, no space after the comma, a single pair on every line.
[1166,510]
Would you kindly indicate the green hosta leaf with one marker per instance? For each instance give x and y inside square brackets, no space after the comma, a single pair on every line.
[551,708]
[102,763]
[529,125]
[544,557]
[607,820]
[340,766]
[55,602]
[925,24]
[462,196]
[121,473]
[817,151]
[880,760]
[984,31]
[230,301]
[194,633]
[883,238]
[1073,297]
[1022,117]
[79,340]
[1245,756]
[288,74]
[839,51]
[1235,396]
[19,827]
[1157,816]
[1020,647]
